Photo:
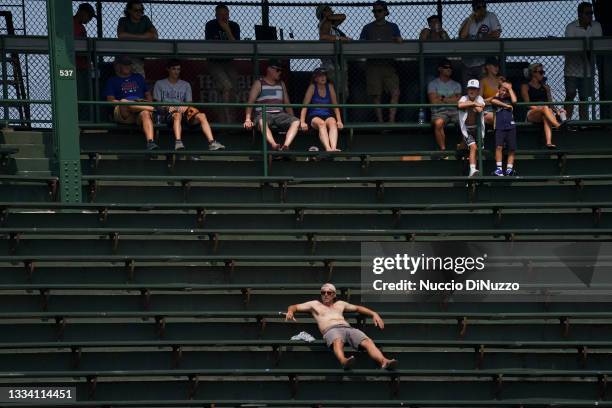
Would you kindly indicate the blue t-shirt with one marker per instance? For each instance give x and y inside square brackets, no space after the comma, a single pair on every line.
[380,32]
[130,88]
[504,119]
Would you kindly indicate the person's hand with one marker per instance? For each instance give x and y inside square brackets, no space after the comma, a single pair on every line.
[248,124]
[345,39]
[289,316]
[397,40]
[378,322]
[224,25]
[340,125]
[478,108]
[507,85]
[303,126]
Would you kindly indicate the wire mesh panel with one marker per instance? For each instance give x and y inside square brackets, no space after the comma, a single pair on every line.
[176,19]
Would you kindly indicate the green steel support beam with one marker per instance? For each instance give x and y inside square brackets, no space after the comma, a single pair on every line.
[64,97]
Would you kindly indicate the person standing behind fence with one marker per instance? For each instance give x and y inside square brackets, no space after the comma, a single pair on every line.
[578,72]
[434,31]
[136,26]
[329,31]
[381,75]
[471,107]
[174,89]
[85,13]
[321,92]
[271,90]
[480,25]
[224,74]
[443,90]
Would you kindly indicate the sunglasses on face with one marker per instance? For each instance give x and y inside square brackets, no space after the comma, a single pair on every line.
[377,11]
[539,72]
[327,292]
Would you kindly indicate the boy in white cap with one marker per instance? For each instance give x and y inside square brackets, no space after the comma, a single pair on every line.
[470,108]
[336,331]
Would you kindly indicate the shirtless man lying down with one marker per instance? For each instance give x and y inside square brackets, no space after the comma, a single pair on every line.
[328,312]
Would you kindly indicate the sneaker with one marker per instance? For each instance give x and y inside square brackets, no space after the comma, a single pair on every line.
[178,145]
[474,173]
[151,145]
[510,172]
[313,149]
[498,172]
[214,145]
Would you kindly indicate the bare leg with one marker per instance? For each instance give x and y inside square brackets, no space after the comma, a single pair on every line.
[511,157]
[550,116]
[395,94]
[339,352]
[147,124]
[201,119]
[439,133]
[292,132]
[332,129]
[489,118]
[539,116]
[498,153]
[376,355]
[269,136]
[319,124]
[379,114]
[473,149]
[176,125]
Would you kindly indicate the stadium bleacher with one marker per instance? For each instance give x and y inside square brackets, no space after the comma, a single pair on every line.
[166,285]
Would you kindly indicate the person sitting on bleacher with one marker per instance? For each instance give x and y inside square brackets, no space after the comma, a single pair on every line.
[321,92]
[328,313]
[443,90]
[537,90]
[471,107]
[174,89]
[127,86]
[271,90]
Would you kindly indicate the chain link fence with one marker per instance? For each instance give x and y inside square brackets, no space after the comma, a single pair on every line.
[176,19]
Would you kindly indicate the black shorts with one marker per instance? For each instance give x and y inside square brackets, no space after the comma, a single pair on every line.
[506,137]
[324,117]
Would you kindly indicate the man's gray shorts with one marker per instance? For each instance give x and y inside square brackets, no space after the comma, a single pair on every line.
[281,120]
[348,334]
[448,116]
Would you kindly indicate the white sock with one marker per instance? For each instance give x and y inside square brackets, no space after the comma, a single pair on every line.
[510,166]
[498,164]
[472,167]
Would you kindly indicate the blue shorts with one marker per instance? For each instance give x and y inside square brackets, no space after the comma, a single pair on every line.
[506,137]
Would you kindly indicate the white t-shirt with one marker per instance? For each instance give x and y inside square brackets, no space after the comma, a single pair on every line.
[575,64]
[463,115]
[479,30]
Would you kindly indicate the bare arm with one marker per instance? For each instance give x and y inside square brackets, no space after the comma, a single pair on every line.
[467,105]
[494,35]
[334,101]
[464,31]
[434,97]
[424,34]
[149,35]
[302,307]
[306,101]
[111,98]
[253,93]
[496,102]
[525,93]
[378,322]
[286,99]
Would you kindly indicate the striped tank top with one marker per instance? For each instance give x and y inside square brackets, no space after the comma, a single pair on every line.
[270,95]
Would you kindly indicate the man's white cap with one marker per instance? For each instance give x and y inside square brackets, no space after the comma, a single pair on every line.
[329,286]
[473,83]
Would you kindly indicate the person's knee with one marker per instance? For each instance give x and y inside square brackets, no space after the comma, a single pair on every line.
[331,122]
[438,123]
[200,117]
[146,116]
[176,116]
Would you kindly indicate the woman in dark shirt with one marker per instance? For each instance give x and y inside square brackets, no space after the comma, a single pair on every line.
[536,90]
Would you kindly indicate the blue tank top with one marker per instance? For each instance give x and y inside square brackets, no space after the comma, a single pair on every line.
[317,99]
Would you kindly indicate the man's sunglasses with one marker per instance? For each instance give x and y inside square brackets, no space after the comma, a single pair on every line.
[327,292]
[539,72]
[376,11]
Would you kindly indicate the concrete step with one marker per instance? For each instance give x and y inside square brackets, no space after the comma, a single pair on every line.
[25,137]
[31,151]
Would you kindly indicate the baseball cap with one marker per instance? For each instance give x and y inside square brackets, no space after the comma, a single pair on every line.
[88,8]
[123,60]
[274,63]
[492,61]
[444,63]
[473,83]
[320,9]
